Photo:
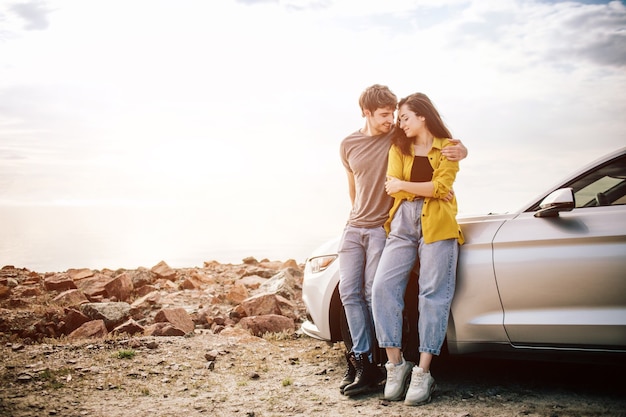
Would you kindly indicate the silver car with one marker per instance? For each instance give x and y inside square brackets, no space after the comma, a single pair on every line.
[549,279]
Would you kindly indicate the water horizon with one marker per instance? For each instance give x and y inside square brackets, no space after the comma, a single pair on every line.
[55,239]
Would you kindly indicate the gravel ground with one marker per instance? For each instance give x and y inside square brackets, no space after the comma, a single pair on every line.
[235,374]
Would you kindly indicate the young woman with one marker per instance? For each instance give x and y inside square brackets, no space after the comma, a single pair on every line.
[422,229]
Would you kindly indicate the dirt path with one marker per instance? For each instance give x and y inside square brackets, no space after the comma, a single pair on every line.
[256,377]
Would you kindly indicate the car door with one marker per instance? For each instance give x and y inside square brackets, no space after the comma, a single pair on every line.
[562,279]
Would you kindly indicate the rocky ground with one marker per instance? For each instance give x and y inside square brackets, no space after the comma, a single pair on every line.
[219,368]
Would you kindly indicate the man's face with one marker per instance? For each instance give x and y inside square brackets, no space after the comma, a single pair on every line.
[381,120]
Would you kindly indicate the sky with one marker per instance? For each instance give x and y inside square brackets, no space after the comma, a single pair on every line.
[222,120]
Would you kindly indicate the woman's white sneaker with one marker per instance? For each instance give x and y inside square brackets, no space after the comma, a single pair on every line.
[397,379]
[421,387]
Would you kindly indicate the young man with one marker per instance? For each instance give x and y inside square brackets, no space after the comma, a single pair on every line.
[364,155]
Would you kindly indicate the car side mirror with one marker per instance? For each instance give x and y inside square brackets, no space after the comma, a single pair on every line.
[556,202]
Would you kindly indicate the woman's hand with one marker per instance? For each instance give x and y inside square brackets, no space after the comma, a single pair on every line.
[393,185]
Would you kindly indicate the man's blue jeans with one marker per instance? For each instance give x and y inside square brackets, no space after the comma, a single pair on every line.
[359,253]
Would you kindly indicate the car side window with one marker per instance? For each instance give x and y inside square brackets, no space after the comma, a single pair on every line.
[604,186]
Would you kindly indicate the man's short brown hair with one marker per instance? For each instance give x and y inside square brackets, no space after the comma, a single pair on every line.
[377,97]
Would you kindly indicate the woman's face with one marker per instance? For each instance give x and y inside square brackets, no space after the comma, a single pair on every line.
[411,123]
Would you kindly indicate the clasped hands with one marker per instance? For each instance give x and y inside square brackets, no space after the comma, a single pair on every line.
[394,185]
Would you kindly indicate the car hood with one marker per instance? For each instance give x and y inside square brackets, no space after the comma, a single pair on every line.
[477,218]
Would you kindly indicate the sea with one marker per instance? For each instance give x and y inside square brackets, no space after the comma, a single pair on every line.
[58,238]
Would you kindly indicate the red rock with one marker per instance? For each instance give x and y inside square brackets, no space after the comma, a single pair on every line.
[250,260]
[145,290]
[94,329]
[59,282]
[238,292]
[163,329]
[73,320]
[191,283]
[78,274]
[252,281]
[130,327]
[141,277]
[147,301]
[263,304]
[202,277]
[94,288]
[26,291]
[4,291]
[120,287]
[269,323]
[178,317]
[162,270]
[290,263]
[71,298]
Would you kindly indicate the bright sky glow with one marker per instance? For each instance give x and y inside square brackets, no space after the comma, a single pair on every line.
[236,108]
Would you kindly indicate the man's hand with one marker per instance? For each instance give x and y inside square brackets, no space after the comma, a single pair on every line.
[449,197]
[455,152]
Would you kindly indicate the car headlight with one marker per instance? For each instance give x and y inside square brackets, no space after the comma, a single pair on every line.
[320,263]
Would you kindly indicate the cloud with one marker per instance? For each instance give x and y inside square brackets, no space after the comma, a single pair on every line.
[600,32]
[269,80]
[34,13]
[571,33]
[292,5]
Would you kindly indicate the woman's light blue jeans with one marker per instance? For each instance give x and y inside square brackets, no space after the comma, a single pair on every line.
[437,280]
[359,253]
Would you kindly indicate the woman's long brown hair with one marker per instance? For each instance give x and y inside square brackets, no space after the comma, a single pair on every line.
[421,105]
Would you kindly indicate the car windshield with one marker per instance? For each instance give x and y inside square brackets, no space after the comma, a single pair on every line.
[604,185]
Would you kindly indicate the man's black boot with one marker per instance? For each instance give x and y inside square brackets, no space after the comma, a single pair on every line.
[348,377]
[368,376]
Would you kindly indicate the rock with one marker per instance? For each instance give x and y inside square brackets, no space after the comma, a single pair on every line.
[290,263]
[191,283]
[5,291]
[94,287]
[145,290]
[250,260]
[238,292]
[282,284]
[216,297]
[70,298]
[263,304]
[95,329]
[73,320]
[202,277]
[24,377]
[269,323]
[112,314]
[163,270]
[147,302]
[163,329]
[120,287]
[140,277]
[26,291]
[253,281]
[59,282]
[78,274]
[178,317]
[12,283]
[211,355]
[130,327]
